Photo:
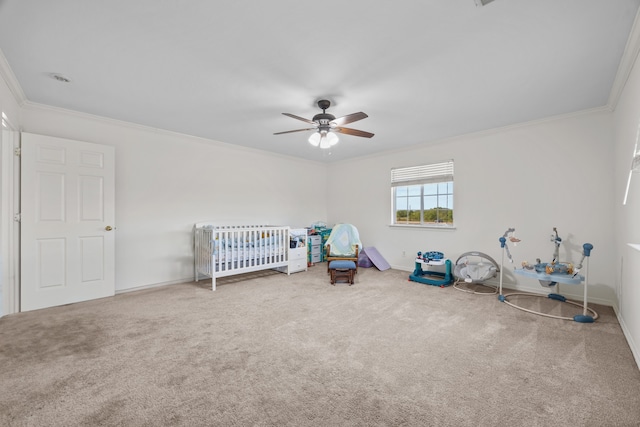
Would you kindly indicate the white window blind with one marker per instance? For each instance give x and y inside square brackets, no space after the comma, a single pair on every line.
[415,175]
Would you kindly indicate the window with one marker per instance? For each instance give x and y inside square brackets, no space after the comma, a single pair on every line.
[423,195]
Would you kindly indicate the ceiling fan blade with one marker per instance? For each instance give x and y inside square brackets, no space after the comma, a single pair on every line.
[349,118]
[311,122]
[297,130]
[354,132]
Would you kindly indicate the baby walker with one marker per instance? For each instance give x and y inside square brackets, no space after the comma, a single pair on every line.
[552,274]
[429,277]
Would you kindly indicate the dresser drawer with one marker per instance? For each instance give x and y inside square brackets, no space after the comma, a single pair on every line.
[298,253]
[296,265]
[315,240]
[316,257]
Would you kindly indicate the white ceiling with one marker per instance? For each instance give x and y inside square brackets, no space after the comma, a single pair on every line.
[423,70]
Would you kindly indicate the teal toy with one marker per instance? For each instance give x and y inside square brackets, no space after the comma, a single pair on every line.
[431,277]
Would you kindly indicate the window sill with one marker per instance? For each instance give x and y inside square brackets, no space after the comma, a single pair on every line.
[425,227]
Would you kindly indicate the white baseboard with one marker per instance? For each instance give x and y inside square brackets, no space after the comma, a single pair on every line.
[154,285]
[627,335]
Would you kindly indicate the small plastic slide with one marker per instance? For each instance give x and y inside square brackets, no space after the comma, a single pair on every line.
[377,259]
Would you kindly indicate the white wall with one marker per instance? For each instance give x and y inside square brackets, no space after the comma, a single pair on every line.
[533,177]
[166,182]
[626,118]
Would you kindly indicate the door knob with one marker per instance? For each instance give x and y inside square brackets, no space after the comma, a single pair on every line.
[108,228]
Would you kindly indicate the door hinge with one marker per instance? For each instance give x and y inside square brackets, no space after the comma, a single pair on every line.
[17,217]
[17,151]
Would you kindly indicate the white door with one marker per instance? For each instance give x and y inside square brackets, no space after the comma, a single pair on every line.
[67,221]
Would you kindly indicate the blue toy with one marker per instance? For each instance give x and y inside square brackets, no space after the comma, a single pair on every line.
[551,275]
[553,267]
[433,278]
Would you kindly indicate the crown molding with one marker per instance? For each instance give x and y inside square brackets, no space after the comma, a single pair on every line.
[107,121]
[627,63]
[12,82]
[605,109]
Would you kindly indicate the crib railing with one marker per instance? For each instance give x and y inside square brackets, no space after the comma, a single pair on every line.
[228,250]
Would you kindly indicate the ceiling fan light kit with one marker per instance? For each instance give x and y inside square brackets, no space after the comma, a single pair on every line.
[325,126]
[323,139]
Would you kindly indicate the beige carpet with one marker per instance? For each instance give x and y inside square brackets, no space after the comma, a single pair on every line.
[277,350]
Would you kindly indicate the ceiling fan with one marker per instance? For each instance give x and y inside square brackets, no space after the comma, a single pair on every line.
[326,125]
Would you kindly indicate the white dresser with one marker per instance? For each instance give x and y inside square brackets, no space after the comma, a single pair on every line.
[297,250]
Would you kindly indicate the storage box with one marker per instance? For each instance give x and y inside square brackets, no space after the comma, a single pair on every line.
[315,240]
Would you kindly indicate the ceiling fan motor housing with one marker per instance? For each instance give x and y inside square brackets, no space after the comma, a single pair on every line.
[323,118]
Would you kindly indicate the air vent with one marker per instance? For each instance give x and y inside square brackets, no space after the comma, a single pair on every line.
[60,78]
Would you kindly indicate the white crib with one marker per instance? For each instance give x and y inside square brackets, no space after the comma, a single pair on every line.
[229,250]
